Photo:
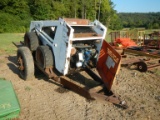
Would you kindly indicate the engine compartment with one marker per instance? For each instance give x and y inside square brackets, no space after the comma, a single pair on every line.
[83,53]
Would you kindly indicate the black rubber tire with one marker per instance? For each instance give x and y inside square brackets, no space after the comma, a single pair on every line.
[142,66]
[25,63]
[44,57]
[31,40]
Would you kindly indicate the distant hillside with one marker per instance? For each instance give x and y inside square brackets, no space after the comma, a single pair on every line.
[147,20]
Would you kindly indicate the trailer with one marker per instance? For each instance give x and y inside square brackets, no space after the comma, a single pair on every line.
[143,61]
[66,46]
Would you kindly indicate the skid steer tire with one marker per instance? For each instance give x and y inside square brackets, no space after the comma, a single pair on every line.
[25,63]
[31,40]
[44,57]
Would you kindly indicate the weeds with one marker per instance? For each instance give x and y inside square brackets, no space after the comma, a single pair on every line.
[2,78]
[27,88]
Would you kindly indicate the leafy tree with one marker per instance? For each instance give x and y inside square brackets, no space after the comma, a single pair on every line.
[116,24]
[147,20]
[156,26]
[40,9]
[15,15]
[8,23]
[107,13]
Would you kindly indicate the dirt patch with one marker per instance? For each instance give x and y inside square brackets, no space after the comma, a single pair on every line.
[41,99]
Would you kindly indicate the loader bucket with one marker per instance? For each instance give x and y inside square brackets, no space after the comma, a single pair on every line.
[108,64]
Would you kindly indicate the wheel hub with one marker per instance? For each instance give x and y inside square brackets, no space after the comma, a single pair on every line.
[20,64]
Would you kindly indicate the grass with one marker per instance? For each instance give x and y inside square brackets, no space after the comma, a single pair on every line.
[157,72]
[6,39]
[151,31]
[27,88]
[2,78]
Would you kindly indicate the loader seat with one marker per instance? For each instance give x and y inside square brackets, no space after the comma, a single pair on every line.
[50,31]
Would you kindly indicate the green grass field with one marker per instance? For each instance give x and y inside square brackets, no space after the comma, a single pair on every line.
[6,39]
[6,45]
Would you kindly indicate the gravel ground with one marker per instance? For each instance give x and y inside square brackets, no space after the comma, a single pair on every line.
[41,99]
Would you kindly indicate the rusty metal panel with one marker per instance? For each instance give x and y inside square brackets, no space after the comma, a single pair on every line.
[75,86]
[74,21]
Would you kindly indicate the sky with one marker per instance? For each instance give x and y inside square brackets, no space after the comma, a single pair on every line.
[137,5]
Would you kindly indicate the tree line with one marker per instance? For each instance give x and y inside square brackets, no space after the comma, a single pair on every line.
[146,20]
[15,15]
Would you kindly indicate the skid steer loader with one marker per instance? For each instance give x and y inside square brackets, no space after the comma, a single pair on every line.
[66,46]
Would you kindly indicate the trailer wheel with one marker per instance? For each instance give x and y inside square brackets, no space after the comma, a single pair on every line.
[25,63]
[31,40]
[142,67]
[44,57]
